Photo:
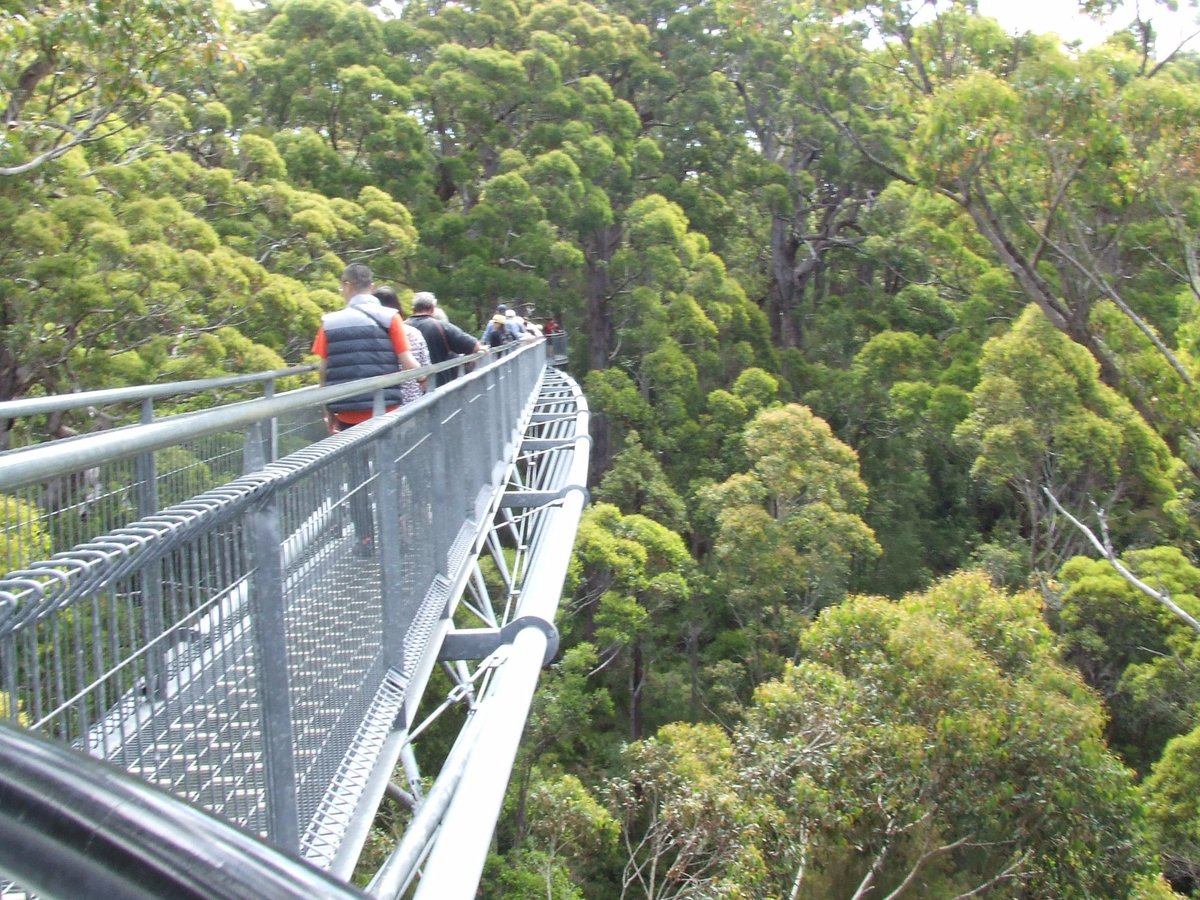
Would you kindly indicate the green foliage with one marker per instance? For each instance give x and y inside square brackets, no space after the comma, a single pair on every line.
[614,395]
[1171,804]
[79,72]
[938,739]
[1134,651]
[635,483]
[1041,417]
[631,580]
[527,875]
[23,537]
[789,529]
[568,823]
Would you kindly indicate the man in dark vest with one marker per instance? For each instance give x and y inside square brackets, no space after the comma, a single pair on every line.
[361,340]
[445,339]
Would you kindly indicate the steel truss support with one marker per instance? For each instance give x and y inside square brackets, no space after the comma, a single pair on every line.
[527,545]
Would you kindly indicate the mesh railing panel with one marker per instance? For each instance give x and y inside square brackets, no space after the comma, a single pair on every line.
[40,520]
[150,646]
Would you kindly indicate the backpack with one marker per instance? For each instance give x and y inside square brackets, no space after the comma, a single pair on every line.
[498,335]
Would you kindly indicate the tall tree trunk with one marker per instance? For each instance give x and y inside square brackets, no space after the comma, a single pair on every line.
[598,249]
[636,681]
[26,84]
[601,457]
[692,636]
[13,381]
[783,294]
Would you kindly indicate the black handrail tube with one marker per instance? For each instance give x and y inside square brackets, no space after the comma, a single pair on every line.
[76,827]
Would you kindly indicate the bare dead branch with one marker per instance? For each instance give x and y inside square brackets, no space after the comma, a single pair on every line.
[799,879]
[505,260]
[1170,56]
[920,863]
[867,884]
[1102,285]
[1105,550]
[1011,872]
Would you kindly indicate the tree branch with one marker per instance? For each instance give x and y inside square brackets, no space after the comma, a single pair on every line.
[1009,873]
[919,864]
[867,884]
[1105,288]
[1105,550]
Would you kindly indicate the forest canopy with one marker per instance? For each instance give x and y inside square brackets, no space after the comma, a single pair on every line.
[889,322]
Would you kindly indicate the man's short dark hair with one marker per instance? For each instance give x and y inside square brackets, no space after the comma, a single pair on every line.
[359,277]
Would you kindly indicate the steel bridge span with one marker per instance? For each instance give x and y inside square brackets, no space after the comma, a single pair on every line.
[213,697]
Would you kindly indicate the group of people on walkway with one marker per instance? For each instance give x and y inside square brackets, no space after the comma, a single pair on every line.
[506,326]
[369,336]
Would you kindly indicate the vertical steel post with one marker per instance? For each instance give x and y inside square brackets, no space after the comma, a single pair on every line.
[271,662]
[388,546]
[145,469]
[272,436]
[444,485]
[254,455]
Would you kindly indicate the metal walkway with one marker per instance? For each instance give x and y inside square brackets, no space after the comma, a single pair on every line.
[264,648]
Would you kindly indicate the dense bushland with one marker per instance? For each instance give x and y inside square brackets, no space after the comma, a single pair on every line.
[868,307]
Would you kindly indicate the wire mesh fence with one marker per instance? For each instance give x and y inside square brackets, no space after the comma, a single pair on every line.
[236,646]
[41,519]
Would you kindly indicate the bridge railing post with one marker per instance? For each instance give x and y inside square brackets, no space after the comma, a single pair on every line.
[255,453]
[271,438]
[153,616]
[445,483]
[268,604]
[392,545]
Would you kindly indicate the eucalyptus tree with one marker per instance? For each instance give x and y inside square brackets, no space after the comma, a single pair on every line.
[631,588]
[320,79]
[935,747]
[78,76]
[1042,418]
[74,72]
[795,71]
[635,482]
[1142,660]
[788,532]
[898,405]
[119,271]
[1171,808]
[530,149]
[1065,163]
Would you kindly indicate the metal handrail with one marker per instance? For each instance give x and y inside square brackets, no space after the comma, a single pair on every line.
[45,461]
[31,406]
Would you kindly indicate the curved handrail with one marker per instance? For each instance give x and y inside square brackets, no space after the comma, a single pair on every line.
[74,826]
